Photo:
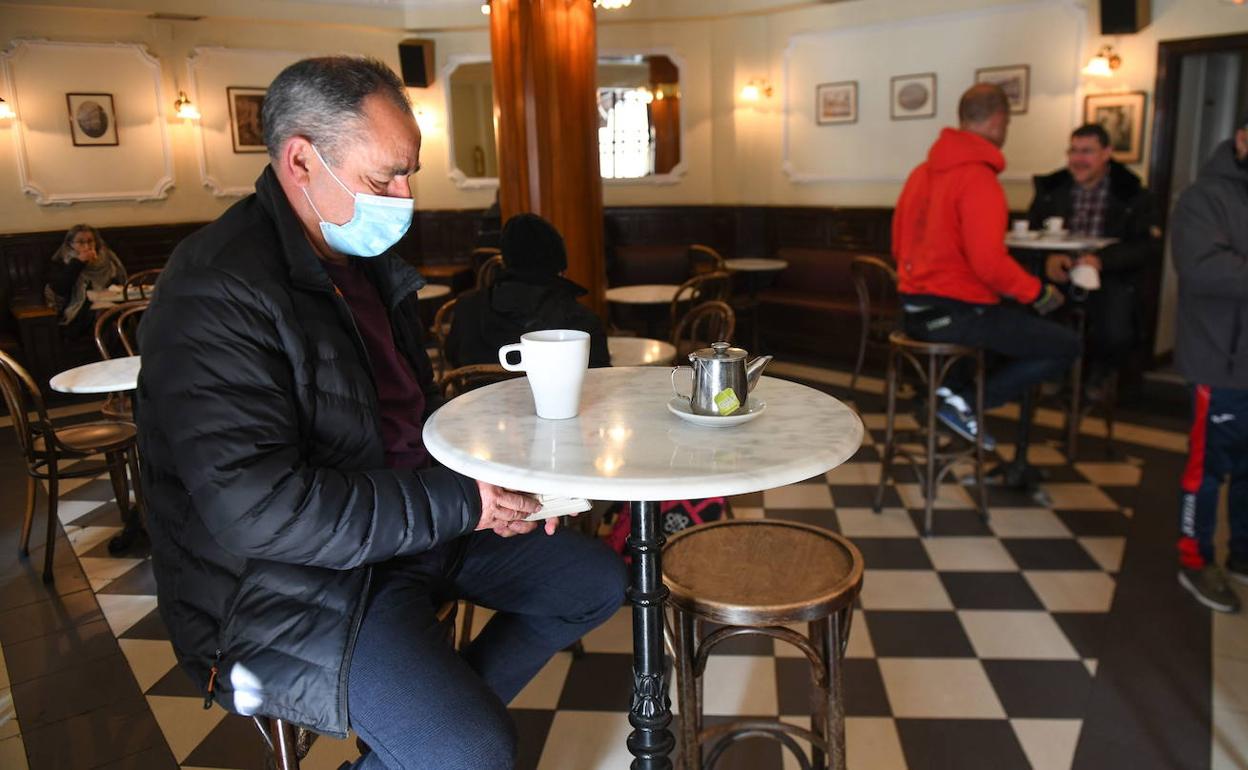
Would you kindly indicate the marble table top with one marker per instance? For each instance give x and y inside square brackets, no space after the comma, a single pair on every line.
[755,264]
[1053,243]
[112,376]
[640,351]
[625,445]
[643,294]
[433,291]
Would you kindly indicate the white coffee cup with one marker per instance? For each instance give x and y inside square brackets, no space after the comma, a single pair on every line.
[555,362]
[1021,226]
[1085,277]
[1054,224]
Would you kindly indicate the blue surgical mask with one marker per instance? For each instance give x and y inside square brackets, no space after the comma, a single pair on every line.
[377,224]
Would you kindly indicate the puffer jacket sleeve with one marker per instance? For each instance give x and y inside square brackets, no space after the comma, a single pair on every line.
[1204,257]
[218,383]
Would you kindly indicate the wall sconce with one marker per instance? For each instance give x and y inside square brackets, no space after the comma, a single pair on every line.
[754,90]
[6,112]
[184,108]
[1104,63]
[485,9]
[612,5]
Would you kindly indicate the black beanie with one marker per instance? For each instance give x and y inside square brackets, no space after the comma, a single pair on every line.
[532,248]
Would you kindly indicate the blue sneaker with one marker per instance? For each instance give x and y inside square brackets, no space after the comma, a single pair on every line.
[957,416]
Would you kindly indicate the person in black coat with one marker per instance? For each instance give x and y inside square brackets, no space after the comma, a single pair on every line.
[302,538]
[1098,196]
[530,294]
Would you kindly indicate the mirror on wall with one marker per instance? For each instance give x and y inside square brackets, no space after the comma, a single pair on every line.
[638,120]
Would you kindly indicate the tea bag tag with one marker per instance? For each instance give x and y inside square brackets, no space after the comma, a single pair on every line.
[726,401]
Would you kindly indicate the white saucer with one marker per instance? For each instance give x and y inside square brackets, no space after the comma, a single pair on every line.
[1054,235]
[680,407]
[1026,235]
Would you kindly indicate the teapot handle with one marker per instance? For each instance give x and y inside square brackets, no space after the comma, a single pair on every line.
[677,392]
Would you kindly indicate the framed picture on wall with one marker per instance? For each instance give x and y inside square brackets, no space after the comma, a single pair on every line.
[1014,79]
[913,96]
[1122,117]
[836,103]
[246,128]
[92,120]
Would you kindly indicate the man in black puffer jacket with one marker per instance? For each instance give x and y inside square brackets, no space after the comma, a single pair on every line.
[1098,196]
[301,538]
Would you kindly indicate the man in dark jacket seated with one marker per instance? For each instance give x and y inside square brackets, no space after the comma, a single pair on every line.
[301,537]
[1098,196]
[530,294]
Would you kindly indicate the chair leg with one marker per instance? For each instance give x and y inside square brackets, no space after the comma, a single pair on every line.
[285,752]
[929,479]
[686,692]
[465,628]
[136,483]
[886,462]
[54,488]
[121,489]
[981,417]
[1111,403]
[29,517]
[862,355]
[829,645]
[1074,414]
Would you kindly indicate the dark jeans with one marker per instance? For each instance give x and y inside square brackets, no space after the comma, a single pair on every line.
[419,704]
[1033,349]
[1217,448]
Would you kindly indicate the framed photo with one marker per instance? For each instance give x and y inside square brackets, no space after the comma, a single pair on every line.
[913,96]
[1014,79]
[1122,117]
[92,120]
[246,129]
[836,103]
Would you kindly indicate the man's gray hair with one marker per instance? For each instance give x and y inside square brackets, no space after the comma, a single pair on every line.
[323,99]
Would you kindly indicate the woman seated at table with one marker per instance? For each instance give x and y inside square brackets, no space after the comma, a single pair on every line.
[530,294]
[83,262]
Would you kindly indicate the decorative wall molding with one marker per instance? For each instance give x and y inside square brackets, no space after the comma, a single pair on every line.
[38,74]
[454,173]
[678,171]
[210,70]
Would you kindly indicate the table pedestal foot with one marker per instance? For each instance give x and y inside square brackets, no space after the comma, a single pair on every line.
[651,742]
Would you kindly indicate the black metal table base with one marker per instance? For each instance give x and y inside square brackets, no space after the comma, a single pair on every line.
[651,742]
[1018,473]
[130,535]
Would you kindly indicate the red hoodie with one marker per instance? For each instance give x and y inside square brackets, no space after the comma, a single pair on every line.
[949,226]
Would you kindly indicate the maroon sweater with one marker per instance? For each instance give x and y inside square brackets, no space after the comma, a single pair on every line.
[398,391]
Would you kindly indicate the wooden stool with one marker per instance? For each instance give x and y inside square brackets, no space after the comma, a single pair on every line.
[753,576]
[938,462]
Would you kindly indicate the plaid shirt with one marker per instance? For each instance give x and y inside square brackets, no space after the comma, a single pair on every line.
[1087,208]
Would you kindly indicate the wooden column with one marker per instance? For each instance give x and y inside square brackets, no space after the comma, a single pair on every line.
[545,67]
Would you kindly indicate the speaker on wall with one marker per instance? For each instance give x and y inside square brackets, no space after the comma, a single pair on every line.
[416,62]
[1124,17]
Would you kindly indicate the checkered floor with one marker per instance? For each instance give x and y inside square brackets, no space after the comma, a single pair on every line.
[975,648]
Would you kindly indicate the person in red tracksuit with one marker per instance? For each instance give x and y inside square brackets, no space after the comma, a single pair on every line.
[954,270]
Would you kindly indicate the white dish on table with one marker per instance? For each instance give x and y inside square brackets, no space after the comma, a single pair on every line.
[680,407]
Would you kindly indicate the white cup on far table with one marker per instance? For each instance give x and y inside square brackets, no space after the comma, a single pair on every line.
[1054,225]
[1021,226]
[555,362]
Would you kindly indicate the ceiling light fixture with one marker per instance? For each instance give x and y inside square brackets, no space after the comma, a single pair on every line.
[185,108]
[1104,63]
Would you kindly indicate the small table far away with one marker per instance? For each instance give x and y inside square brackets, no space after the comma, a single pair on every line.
[640,351]
[625,445]
[115,375]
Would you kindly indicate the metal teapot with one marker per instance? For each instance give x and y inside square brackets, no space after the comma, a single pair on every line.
[722,380]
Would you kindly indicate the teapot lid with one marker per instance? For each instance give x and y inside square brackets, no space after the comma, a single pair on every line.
[718,351]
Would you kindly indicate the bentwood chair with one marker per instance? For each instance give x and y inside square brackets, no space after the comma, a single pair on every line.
[440,331]
[709,322]
[879,310]
[458,381]
[47,448]
[140,285]
[706,287]
[116,331]
[704,259]
[289,744]
[488,271]
[480,255]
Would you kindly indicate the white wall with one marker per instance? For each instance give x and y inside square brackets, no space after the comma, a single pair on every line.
[733,151]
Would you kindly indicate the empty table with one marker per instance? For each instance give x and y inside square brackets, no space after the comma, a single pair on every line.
[432,291]
[758,272]
[626,445]
[115,375]
[640,351]
[643,300]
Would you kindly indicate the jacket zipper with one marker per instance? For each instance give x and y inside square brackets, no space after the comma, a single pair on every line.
[343,668]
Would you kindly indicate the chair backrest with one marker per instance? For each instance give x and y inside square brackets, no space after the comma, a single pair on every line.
[442,321]
[126,326]
[109,330]
[21,397]
[709,322]
[480,255]
[489,271]
[875,283]
[458,381]
[704,259]
[141,284]
[707,287]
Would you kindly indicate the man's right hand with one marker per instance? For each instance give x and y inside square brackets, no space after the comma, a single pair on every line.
[503,510]
[1057,268]
[1050,299]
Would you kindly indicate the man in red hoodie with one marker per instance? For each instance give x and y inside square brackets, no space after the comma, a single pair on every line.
[954,270]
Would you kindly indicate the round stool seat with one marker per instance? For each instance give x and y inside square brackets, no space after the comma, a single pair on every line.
[901,340]
[761,572]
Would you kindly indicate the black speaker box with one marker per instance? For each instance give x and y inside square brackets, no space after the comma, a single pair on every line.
[1125,17]
[416,62]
